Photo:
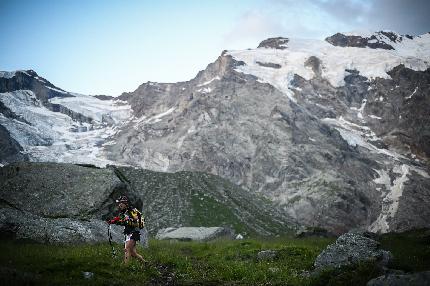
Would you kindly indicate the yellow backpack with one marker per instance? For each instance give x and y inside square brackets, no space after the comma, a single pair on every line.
[137,215]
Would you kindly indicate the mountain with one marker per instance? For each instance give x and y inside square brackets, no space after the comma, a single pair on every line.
[335,132]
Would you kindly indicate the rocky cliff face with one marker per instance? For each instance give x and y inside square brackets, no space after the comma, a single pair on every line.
[30,80]
[10,150]
[335,133]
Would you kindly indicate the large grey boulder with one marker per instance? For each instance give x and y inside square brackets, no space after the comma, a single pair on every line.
[25,225]
[351,248]
[414,279]
[56,190]
[194,233]
[57,203]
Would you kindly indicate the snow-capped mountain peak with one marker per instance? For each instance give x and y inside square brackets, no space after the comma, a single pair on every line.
[337,54]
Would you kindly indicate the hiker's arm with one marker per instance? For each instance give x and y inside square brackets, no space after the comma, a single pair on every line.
[115,220]
[123,221]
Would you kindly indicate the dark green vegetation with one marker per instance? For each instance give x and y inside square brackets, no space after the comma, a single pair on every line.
[411,250]
[190,263]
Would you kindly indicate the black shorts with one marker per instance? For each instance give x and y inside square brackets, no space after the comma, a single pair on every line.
[134,235]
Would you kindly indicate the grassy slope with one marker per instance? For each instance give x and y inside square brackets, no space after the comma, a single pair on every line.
[199,199]
[215,263]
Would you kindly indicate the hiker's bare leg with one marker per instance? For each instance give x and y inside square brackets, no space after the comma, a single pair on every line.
[128,250]
[135,254]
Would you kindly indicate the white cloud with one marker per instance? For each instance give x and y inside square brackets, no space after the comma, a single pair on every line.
[298,19]
[251,28]
[322,18]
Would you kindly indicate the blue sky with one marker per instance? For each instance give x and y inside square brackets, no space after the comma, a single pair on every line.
[112,46]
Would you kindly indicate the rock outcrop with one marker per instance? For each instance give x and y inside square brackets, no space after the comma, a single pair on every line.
[351,248]
[362,42]
[10,150]
[25,225]
[57,203]
[274,43]
[30,80]
[194,233]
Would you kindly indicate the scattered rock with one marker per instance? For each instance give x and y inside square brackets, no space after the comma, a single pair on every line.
[267,255]
[351,248]
[269,65]
[239,237]
[315,64]
[88,275]
[305,274]
[274,43]
[414,279]
[372,42]
[194,233]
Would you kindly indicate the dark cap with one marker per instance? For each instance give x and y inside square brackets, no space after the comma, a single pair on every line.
[122,199]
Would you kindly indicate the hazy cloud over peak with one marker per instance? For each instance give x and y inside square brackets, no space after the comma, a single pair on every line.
[405,17]
[254,24]
[322,18]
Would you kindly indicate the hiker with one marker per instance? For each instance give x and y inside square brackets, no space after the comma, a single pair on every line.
[132,220]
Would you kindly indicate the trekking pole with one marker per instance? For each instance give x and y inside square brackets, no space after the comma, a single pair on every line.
[110,242]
